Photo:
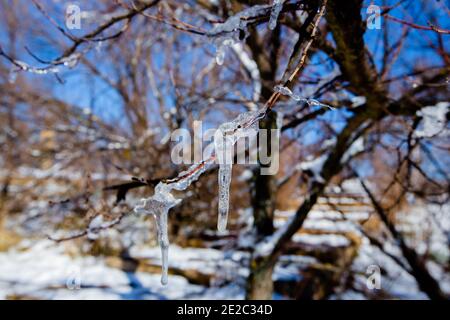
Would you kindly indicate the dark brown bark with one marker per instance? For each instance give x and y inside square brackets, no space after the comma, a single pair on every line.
[264,191]
[353,62]
[259,283]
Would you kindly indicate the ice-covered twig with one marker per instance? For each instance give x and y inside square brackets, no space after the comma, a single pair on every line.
[52,67]
[311,102]
[229,133]
[67,57]
[274,13]
[96,225]
[162,200]
[234,29]
[226,138]
[23,66]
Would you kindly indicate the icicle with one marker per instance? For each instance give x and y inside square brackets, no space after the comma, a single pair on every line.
[274,13]
[12,77]
[225,171]
[159,205]
[221,45]
[163,240]
[224,143]
[311,102]
[234,29]
[99,46]
[224,140]
[162,200]
[220,54]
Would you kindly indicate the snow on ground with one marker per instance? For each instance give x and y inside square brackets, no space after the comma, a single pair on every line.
[333,240]
[331,226]
[397,282]
[44,271]
[205,260]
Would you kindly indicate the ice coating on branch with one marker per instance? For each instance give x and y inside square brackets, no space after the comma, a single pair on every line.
[274,13]
[239,21]
[26,67]
[245,121]
[356,147]
[159,205]
[225,139]
[162,201]
[94,227]
[311,102]
[98,224]
[72,60]
[190,175]
[234,29]
[283,90]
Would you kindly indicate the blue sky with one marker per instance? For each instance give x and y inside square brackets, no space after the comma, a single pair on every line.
[82,90]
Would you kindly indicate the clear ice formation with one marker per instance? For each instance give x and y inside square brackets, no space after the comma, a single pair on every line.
[227,136]
[274,13]
[234,29]
[311,102]
[163,200]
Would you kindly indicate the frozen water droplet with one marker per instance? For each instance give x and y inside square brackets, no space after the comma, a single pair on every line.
[71,63]
[99,46]
[311,102]
[220,55]
[12,76]
[283,90]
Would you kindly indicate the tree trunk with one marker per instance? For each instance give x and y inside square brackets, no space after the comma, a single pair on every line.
[259,283]
[265,188]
